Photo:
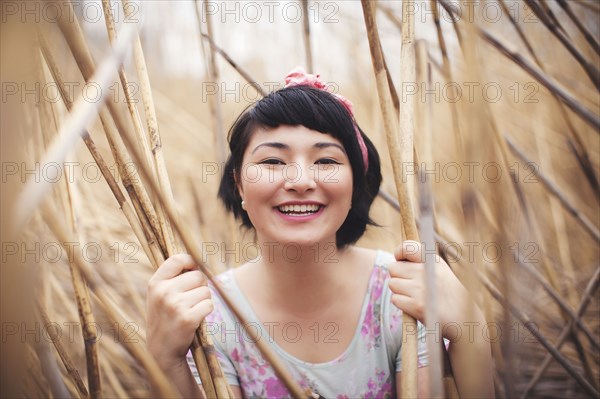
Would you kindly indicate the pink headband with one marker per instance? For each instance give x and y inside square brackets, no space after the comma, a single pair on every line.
[299,77]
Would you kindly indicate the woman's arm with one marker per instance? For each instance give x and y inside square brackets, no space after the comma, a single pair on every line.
[470,354]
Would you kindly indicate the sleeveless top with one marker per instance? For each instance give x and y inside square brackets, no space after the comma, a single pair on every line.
[366,369]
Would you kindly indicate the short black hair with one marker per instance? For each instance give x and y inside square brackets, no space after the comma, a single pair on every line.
[317,110]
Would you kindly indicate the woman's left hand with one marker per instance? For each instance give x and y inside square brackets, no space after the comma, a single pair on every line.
[408,286]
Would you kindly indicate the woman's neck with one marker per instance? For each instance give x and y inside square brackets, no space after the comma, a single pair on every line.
[303,279]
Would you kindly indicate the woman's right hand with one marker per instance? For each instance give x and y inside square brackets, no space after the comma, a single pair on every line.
[177,301]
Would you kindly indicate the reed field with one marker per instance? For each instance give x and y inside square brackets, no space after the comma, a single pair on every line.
[486,117]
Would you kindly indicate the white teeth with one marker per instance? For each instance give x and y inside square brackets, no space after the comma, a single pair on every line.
[295,209]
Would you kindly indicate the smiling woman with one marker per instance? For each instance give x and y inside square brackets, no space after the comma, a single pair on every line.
[303,175]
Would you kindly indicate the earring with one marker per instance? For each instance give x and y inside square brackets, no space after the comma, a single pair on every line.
[243,205]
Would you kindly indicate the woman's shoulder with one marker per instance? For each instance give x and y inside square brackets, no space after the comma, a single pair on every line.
[374,257]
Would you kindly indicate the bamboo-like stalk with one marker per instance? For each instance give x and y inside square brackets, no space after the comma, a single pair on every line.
[83,113]
[531,326]
[134,346]
[554,294]
[580,150]
[585,300]
[426,225]
[188,242]
[551,17]
[588,116]
[591,6]
[436,389]
[555,191]
[584,31]
[213,76]
[133,184]
[590,69]
[140,227]
[562,240]
[306,35]
[447,71]
[208,357]
[64,355]
[113,380]
[524,207]
[399,156]
[129,99]
[234,65]
[86,316]
[523,318]
[154,135]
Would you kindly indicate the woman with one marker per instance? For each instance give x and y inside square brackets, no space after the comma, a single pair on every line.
[303,176]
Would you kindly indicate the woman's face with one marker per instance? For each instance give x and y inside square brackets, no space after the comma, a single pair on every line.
[296,184]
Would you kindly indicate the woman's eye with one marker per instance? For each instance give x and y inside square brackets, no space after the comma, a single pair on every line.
[272,161]
[328,161]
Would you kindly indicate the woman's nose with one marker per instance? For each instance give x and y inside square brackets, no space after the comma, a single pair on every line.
[299,178]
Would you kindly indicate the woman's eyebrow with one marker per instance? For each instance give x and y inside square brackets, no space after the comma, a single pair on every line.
[280,146]
[328,144]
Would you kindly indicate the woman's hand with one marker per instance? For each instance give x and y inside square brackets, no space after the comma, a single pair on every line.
[178,299]
[408,287]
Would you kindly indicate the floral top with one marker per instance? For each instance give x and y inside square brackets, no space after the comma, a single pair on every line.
[366,369]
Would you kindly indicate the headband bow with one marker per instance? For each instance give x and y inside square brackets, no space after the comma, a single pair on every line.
[299,77]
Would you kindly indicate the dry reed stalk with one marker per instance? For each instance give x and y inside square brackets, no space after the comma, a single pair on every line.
[550,272]
[550,14]
[474,148]
[454,112]
[306,35]
[447,71]
[553,284]
[154,135]
[234,65]
[584,31]
[216,110]
[83,113]
[562,239]
[63,354]
[390,14]
[399,155]
[113,380]
[551,290]
[213,373]
[567,330]
[558,219]
[126,86]
[134,346]
[86,316]
[424,114]
[523,318]
[133,184]
[546,81]
[531,326]
[436,389]
[580,150]
[450,253]
[591,6]
[188,242]
[140,227]
[590,69]
[556,192]
[60,387]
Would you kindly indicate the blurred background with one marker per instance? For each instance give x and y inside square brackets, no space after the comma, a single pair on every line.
[506,126]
